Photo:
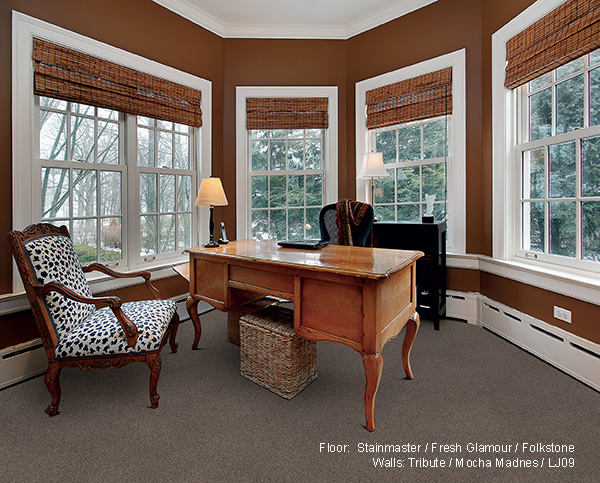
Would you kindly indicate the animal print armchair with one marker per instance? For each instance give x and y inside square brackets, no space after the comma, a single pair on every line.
[74,332]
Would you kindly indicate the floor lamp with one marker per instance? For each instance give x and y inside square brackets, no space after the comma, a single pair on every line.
[211,194]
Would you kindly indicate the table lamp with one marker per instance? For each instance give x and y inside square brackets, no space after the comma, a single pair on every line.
[372,167]
[211,194]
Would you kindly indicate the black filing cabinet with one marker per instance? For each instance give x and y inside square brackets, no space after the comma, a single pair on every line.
[430,238]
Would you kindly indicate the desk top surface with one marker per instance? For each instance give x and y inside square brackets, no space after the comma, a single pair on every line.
[361,261]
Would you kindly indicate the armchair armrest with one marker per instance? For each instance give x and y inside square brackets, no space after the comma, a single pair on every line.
[130,329]
[113,273]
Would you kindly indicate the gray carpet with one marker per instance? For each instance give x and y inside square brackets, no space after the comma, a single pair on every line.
[470,387]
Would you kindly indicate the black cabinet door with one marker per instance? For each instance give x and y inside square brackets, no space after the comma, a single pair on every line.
[430,238]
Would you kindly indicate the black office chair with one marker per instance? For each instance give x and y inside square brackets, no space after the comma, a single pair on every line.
[329,227]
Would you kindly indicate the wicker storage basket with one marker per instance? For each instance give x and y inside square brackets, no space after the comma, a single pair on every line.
[272,355]
[233,316]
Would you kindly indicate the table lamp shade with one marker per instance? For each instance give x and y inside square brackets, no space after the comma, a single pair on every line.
[372,167]
[211,193]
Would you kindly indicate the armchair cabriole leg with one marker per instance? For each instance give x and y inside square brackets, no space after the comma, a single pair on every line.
[52,381]
[154,364]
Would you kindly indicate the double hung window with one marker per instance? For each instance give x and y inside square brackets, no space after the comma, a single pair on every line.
[109,144]
[286,179]
[559,163]
[286,160]
[415,155]
[415,117]
[84,174]
[547,136]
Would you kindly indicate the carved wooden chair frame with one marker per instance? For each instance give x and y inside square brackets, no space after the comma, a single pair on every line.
[35,293]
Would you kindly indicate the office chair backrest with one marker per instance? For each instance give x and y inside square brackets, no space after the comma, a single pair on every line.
[328,223]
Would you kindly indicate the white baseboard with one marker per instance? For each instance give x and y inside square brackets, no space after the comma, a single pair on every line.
[463,306]
[574,355]
[22,361]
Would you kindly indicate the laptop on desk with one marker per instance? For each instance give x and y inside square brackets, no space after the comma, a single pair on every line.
[304,244]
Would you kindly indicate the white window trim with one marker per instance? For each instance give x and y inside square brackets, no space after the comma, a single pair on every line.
[24,137]
[504,171]
[457,170]
[331,145]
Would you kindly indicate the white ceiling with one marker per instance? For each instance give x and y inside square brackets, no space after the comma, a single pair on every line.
[291,19]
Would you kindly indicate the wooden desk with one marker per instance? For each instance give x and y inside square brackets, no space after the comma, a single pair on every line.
[360,297]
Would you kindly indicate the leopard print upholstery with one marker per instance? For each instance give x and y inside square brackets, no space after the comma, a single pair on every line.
[101,334]
[53,259]
[80,328]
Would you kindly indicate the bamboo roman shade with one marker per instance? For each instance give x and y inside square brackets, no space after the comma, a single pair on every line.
[73,76]
[568,32]
[421,97]
[287,113]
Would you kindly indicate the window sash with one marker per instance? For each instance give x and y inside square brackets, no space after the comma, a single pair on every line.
[307,233]
[519,222]
[422,161]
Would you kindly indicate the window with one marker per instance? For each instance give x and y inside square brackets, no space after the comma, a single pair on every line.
[286,179]
[83,170]
[546,134]
[415,157]
[559,164]
[123,184]
[166,178]
[81,176]
[284,176]
[423,157]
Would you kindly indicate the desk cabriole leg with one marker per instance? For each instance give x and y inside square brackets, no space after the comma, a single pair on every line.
[412,326]
[191,304]
[373,367]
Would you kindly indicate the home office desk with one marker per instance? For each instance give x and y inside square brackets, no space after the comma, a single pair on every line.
[357,296]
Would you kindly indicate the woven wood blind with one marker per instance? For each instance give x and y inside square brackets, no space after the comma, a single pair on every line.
[73,76]
[568,32]
[287,113]
[421,97]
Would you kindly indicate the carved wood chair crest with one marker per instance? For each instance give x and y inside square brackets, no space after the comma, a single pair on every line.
[74,332]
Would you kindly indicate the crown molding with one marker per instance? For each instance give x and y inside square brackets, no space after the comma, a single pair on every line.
[291,31]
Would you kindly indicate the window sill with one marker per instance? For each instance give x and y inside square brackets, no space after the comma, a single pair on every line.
[576,284]
[99,282]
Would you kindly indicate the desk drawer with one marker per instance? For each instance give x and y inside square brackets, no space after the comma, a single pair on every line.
[280,282]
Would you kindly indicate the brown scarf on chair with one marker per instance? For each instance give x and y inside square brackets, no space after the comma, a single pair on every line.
[349,213]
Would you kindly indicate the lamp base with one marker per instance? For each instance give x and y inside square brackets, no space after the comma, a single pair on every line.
[427,218]
[211,244]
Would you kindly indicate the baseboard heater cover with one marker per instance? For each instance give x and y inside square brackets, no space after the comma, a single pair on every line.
[578,357]
[22,361]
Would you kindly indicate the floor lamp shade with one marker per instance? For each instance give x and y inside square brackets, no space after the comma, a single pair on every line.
[211,194]
[372,167]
